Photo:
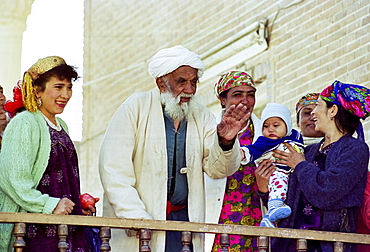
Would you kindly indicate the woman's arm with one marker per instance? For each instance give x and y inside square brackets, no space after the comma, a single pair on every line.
[291,158]
[20,150]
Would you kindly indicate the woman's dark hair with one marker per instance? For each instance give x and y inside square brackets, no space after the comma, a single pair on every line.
[62,72]
[346,122]
[298,115]
[223,95]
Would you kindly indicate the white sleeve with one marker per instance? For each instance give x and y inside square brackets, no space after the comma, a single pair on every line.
[247,158]
[116,166]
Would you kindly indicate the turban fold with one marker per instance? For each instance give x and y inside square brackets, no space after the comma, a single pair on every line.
[169,59]
[233,79]
[353,98]
[308,99]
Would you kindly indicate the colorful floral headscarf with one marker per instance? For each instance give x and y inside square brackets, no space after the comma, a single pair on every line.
[233,79]
[353,98]
[308,99]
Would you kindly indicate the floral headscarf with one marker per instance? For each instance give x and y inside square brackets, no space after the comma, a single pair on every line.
[233,79]
[308,99]
[353,98]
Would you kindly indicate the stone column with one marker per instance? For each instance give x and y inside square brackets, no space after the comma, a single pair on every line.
[13,16]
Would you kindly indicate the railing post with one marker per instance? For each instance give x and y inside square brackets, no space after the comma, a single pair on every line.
[262,243]
[186,241]
[145,237]
[19,233]
[301,245]
[63,233]
[105,236]
[338,247]
[224,242]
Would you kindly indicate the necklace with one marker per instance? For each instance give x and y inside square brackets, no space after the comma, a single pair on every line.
[52,125]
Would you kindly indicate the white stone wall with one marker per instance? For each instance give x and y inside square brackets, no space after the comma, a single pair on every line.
[311,44]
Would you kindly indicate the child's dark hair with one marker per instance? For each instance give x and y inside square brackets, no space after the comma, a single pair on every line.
[223,95]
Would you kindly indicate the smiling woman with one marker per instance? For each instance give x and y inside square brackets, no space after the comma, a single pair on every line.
[53,95]
[45,178]
[305,121]
[236,88]
[327,185]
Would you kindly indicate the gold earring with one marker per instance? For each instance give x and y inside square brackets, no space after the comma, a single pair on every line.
[39,102]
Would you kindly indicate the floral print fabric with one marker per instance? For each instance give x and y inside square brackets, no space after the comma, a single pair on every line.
[354,98]
[308,99]
[241,205]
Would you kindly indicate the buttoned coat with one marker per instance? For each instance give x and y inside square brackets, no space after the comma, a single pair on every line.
[337,190]
[133,167]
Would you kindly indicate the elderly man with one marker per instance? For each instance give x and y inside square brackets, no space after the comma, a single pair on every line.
[156,148]
[305,121]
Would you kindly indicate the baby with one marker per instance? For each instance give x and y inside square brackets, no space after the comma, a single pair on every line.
[276,130]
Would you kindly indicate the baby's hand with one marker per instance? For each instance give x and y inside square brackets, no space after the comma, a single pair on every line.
[263,172]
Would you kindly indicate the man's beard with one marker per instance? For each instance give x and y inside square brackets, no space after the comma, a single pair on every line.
[176,110]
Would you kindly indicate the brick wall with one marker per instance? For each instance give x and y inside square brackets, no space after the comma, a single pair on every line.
[311,44]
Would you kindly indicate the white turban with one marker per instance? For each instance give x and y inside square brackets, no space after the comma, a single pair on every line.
[169,59]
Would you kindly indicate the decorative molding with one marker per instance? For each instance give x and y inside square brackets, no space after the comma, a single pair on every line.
[236,50]
[13,17]
[15,12]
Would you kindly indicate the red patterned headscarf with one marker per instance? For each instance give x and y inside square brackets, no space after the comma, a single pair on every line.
[233,79]
[308,99]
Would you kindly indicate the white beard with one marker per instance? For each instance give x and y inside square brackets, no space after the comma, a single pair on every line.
[176,110]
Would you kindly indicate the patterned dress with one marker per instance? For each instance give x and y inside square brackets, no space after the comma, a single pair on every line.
[241,204]
[60,179]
